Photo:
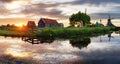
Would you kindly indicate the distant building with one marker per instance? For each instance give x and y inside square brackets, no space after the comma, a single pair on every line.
[97,24]
[31,24]
[109,23]
[79,24]
[45,22]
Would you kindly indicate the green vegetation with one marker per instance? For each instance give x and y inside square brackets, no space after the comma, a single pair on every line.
[72,32]
[57,32]
[79,17]
[13,32]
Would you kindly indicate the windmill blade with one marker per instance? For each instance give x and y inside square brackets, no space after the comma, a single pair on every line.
[109,17]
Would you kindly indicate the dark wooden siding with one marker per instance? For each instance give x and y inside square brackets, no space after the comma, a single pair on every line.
[41,24]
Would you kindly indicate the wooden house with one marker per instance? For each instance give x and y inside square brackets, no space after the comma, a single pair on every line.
[45,22]
[31,24]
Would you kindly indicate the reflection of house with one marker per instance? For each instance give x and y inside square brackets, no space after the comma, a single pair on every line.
[45,22]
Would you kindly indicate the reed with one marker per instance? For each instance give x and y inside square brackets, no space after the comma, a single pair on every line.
[72,32]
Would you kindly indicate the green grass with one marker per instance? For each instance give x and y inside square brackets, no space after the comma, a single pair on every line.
[72,32]
[9,33]
[12,32]
[58,32]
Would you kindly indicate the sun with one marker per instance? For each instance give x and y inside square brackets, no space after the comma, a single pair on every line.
[19,25]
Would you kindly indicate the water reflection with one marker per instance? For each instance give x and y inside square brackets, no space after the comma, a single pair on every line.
[109,36]
[8,59]
[76,42]
[117,32]
[37,40]
[52,51]
[80,42]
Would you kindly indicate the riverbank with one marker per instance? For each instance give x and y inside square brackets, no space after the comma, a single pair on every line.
[57,32]
[14,32]
[73,32]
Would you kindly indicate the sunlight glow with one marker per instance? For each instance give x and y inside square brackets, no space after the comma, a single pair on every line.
[17,53]
[19,25]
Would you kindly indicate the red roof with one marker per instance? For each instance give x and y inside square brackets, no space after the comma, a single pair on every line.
[50,21]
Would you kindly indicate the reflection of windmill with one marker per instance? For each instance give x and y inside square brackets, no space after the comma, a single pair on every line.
[109,23]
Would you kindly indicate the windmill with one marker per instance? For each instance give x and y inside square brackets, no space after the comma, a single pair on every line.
[109,23]
[85,10]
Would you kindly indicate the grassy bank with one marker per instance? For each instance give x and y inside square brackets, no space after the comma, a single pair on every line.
[72,32]
[13,32]
[57,32]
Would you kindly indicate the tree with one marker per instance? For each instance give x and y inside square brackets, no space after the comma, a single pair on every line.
[78,17]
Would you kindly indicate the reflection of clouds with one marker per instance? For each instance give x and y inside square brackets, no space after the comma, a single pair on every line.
[55,57]
[105,45]
[62,51]
[101,52]
[56,46]
[56,51]
[102,47]
[99,46]
[3,47]
[8,43]
[100,56]
[12,46]
[105,39]
[17,52]
[63,46]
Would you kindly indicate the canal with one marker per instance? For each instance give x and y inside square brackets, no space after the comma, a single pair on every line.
[104,49]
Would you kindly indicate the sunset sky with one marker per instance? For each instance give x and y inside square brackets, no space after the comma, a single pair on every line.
[20,11]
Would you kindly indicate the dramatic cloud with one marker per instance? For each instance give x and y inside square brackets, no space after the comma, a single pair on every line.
[3,11]
[42,9]
[105,15]
[58,9]
[6,1]
[92,2]
[3,8]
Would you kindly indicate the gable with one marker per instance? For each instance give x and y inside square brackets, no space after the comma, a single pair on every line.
[49,21]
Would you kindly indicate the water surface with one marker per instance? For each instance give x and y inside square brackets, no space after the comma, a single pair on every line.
[95,50]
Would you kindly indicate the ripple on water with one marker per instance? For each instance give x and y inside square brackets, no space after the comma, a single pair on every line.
[54,57]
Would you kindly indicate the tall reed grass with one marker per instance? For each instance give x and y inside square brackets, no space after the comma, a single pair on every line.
[72,32]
